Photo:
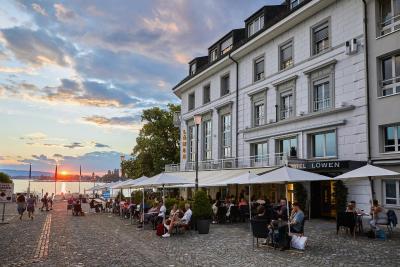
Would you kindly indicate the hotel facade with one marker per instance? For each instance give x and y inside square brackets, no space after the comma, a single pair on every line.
[291,87]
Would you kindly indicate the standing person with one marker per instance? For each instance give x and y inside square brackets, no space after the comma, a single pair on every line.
[51,199]
[45,202]
[30,207]
[21,205]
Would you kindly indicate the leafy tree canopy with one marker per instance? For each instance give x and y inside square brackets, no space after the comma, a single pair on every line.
[156,145]
[5,178]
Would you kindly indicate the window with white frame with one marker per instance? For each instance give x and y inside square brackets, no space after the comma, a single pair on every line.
[256,25]
[323,145]
[191,100]
[287,147]
[286,105]
[391,142]
[206,94]
[389,16]
[321,95]
[391,192]
[320,38]
[260,152]
[214,54]
[193,69]
[286,55]
[295,3]
[390,84]
[192,143]
[207,140]
[225,85]
[259,113]
[226,46]
[259,69]
[226,135]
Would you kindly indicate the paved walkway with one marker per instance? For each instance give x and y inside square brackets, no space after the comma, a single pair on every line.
[56,238]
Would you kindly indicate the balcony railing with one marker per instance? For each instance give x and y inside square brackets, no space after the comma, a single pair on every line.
[232,163]
[390,86]
[390,25]
[321,104]
[286,112]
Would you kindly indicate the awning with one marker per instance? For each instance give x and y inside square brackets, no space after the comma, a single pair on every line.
[288,175]
[366,171]
[216,177]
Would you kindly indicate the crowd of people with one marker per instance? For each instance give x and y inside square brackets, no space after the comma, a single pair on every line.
[28,202]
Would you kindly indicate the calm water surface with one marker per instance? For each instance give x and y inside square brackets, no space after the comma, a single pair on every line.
[39,186]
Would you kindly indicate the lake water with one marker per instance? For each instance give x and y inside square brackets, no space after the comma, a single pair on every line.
[39,186]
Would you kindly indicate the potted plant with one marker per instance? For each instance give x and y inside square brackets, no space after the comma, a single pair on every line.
[202,212]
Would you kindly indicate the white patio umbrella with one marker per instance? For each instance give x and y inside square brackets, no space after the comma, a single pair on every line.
[161,179]
[122,184]
[288,175]
[368,171]
[245,178]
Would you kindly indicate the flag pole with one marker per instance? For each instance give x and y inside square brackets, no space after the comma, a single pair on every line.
[80,178]
[55,182]
[30,176]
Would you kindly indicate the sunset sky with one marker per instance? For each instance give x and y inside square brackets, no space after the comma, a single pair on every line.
[75,75]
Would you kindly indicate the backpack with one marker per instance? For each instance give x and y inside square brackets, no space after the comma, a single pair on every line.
[160,230]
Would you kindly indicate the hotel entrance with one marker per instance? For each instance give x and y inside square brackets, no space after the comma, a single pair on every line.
[323,199]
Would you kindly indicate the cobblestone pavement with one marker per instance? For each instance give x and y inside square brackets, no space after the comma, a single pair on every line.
[56,238]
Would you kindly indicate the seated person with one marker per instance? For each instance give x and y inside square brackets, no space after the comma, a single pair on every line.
[77,211]
[172,213]
[260,214]
[146,217]
[260,200]
[350,208]
[243,202]
[296,219]
[161,214]
[379,215]
[282,210]
[176,221]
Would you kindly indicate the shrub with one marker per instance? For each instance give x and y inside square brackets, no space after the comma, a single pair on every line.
[300,194]
[340,194]
[5,178]
[201,206]
[138,197]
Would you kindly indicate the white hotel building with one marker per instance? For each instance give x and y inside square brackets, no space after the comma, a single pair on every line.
[289,87]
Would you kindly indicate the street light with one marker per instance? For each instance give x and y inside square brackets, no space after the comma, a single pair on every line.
[197,121]
[122,166]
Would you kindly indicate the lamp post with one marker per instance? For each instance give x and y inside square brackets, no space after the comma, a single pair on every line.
[122,166]
[197,121]
[30,176]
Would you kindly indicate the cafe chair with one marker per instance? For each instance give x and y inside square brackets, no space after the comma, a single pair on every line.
[259,229]
[346,220]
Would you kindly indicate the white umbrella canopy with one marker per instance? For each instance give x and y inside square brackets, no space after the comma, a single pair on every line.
[245,178]
[366,171]
[96,187]
[122,184]
[288,175]
[161,180]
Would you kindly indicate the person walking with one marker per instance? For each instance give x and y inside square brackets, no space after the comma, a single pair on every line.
[21,205]
[45,203]
[30,207]
[51,199]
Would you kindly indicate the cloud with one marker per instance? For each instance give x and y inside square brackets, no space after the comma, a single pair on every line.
[124,121]
[100,145]
[38,47]
[37,136]
[39,9]
[63,14]
[58,156]
[74,145]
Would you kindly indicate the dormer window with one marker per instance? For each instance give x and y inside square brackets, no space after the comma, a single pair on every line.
[226,46]
[214,54]
[295,3]
[255,25]
[193,69]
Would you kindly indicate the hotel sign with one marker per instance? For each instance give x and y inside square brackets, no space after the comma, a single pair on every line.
[320,165]
[183,144]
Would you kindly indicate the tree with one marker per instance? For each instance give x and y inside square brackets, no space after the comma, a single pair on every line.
[156,145]
[5,178]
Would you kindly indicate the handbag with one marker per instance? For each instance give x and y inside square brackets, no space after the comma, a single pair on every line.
[298,242]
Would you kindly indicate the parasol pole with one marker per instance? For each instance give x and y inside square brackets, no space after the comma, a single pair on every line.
[287,205]
[143,209]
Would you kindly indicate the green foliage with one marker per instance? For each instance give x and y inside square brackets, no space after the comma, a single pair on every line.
[169,202]
[340,194]
[201,206]
[5,178]
[137,197]
[300,195]
[156,145]
[120,196]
